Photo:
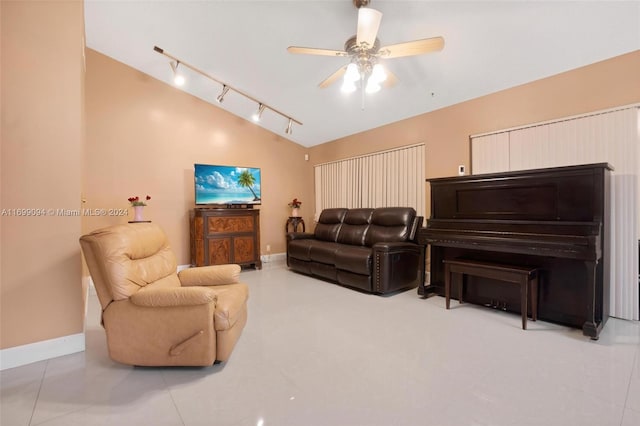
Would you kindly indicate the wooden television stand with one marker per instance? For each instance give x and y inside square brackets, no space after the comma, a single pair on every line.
[220,236]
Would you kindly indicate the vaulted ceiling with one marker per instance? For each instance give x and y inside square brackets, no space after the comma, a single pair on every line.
[489,46]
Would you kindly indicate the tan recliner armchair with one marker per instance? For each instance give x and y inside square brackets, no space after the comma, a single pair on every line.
[154,316]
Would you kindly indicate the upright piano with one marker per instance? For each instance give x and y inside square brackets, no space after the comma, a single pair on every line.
[555,219]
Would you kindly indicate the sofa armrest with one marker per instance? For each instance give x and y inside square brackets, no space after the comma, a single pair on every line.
[299,236]
[397,246]
[209,275]
[177,296]
[397,265]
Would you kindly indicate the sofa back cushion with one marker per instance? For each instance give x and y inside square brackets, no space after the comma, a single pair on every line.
[390,224]
[124,258]
[354,227]
[329,224]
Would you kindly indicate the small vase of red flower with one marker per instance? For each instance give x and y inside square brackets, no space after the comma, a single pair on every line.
[138,207]
[295,207]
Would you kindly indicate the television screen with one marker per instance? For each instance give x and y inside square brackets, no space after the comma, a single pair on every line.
[226,184]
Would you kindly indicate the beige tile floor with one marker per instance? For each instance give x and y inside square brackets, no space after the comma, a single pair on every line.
[314,353]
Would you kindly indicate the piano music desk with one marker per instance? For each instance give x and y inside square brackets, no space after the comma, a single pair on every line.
[526,277]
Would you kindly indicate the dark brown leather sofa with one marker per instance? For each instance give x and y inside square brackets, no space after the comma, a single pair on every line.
[368,249]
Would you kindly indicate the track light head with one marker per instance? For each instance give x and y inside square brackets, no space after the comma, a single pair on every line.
[258,114]
[178,78]
[289,129]
[220,97]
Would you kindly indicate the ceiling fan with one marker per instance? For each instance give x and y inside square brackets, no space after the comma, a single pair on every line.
[365,51]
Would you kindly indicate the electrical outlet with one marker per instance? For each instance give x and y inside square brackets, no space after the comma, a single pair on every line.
[461,170]
[268,248]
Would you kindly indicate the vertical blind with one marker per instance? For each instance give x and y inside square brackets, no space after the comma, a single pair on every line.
[609,136]
[383,179]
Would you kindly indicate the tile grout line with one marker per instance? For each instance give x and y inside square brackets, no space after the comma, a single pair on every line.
[171,396]
[626,399]
[35,402]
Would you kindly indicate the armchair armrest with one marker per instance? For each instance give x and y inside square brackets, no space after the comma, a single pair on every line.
[178,296]
[209,275]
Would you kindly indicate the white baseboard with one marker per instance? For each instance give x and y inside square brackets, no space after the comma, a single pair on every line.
[39,351]
[275,257]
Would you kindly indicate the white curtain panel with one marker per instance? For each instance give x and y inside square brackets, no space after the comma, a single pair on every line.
[384,179]
[490,153]
[611,136]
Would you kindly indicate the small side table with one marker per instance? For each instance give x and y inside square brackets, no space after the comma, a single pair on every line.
[293,223]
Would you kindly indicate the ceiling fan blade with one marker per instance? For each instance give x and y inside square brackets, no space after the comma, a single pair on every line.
[368,24]
[314,51]
[333,77]
[410,48]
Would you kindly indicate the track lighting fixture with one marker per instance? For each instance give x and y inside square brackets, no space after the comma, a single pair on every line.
[220,97]
[258,114]
[179,80]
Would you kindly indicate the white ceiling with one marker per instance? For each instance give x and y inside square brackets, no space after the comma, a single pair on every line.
[489,46]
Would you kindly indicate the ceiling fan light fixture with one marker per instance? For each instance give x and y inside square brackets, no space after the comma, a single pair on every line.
[352,74]
[378,74]
[372,86]
[178,78]
[348,86]
[258,114]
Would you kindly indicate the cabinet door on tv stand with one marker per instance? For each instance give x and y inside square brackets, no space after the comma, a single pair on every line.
[219,252]
[244,249]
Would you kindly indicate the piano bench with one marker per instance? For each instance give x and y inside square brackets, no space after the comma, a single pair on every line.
[526,276]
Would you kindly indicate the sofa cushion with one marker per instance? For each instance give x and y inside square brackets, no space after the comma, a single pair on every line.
[355,226]
[299,249]
[354,258]
[390,224]
[361,282]
[329,224]
[324,252]
[323,270]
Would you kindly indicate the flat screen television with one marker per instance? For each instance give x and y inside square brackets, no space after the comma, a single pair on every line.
[230,185]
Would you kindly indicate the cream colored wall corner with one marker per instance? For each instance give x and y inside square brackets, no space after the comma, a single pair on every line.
[42,135]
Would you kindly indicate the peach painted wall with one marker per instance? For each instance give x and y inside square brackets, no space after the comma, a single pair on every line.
[143,137]
[41,141]
[446,131]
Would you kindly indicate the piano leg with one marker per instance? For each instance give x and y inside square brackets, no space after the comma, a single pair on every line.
[534,297]
[447,285]
[592,326]
[524,289]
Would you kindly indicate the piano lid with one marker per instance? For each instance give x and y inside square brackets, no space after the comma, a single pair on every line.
[516,173]
[566,194]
